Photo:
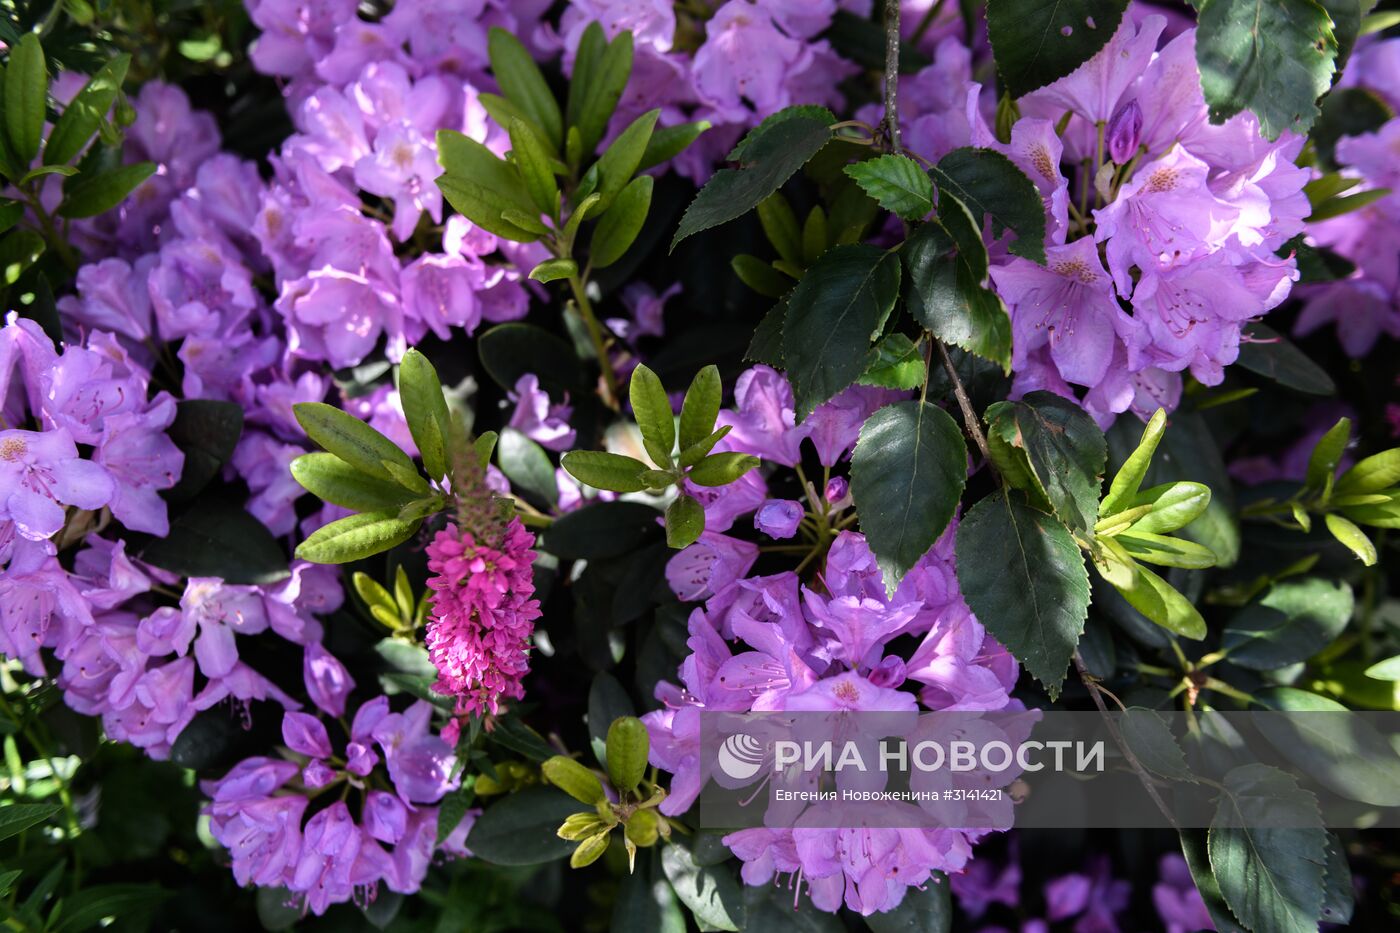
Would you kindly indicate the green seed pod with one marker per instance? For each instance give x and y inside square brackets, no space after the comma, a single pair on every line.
[627,748]
[588,851]
[643,827]
[580,826]
[573,779]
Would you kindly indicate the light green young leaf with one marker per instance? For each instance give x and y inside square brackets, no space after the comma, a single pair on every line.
[760,276]
[553,270]
[897,183]
[898,364]
[356,537]
[333,480]
[1373,474]
[1327,454]
[523,85]
[652,409]
[780,225]
[619,161]
[603,470]
[1148,593]
[1165,550]
[1174,505]
[721,469]
[351,440]
[374,594]
[701,407]
[696,452]
[627,750]
[425,409]
[1352,537]
[685,521]
[1125,485]
[619,227]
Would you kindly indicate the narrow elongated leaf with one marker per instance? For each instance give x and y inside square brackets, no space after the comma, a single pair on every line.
[670,141]
[85,112]
[618,229]
[599,88]
[832,317]
[356,537]
[1064,448]
[1166,551]
[1174,505]
[86,909]
[1274,58]
[1022,574]
[523,85]
[352,440]
[603,470]
[1265,352]
[1373,474]
[425,409]
[619,161]
[907,475]
[701,407]
[897,183]
[1352,538]
[98,193]
[18,817]
[332,479]
[1270,874]
[533,160]
[653,412]
[990,184]
[1128,480]
[484,206]
[1150,595]
[26,96]
[768,156]
[1036,43]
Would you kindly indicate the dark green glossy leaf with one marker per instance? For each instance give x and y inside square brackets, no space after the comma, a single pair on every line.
[527,466]
[601,531]
[206,431]
[219,541]
[523,85]
[1036,43]
[1292,622]
[1064,448]
[990,184]
[509,351]
[99,193]
[519,829]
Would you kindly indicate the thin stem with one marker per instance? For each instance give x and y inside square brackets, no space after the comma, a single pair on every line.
[1095,691]
[595,333]
[892,74]
[974,428]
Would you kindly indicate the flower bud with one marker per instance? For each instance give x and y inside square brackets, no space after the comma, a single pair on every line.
[778,518]
[573,779]
[1125,132]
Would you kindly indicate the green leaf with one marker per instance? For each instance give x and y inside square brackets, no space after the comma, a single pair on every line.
[619,161]
[627,750]
[1327,453]
[710,892]
[897,183]
[356,537]
[1271,876]
[768,156]
[833,315]
[698,451]
[1166,551]
[509,351]
[100,192]
[602,470]
[1337,207]
[219,541]
[425,409]
[1128,480]
[685,522]
[618,229]
[527,466]
[86,112]
[67,171]
[601,530]
[519,829]
[990,184]
[1332,745]
[451,811]
[781,228]
[87,908]
[1174,505]
[1389,669]
[645,900]
[468,160]
[1371,475]
[1150,739]
[352,440]
[1023,576]
[701,407]
[484,206]
[206,431]
[531,158]
[1035,43]
[652,408]
[1352,538]
[26,97]
[332,479]
[1274,58]
[1149,594]
[552,270]
[721,469]
[1193,847]
[950,302]
[574,779]
[1264,351]
[523,85]
[767,343]
[670,141]
[599,79]
[1064,448]
[760,276]
[1339,894]
[921,911]
[907,474]
[898,364]
[11,213]
[17,817]
[1292,622]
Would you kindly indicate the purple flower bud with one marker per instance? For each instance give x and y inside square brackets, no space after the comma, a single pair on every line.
[837,490]
[778,518]
[888,673]
[328,683]
[385,817]
[1125,132]
[305,735]
[317,774]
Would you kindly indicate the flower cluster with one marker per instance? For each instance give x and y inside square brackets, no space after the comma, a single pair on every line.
[1365,304]
[482,616]
[258,809]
